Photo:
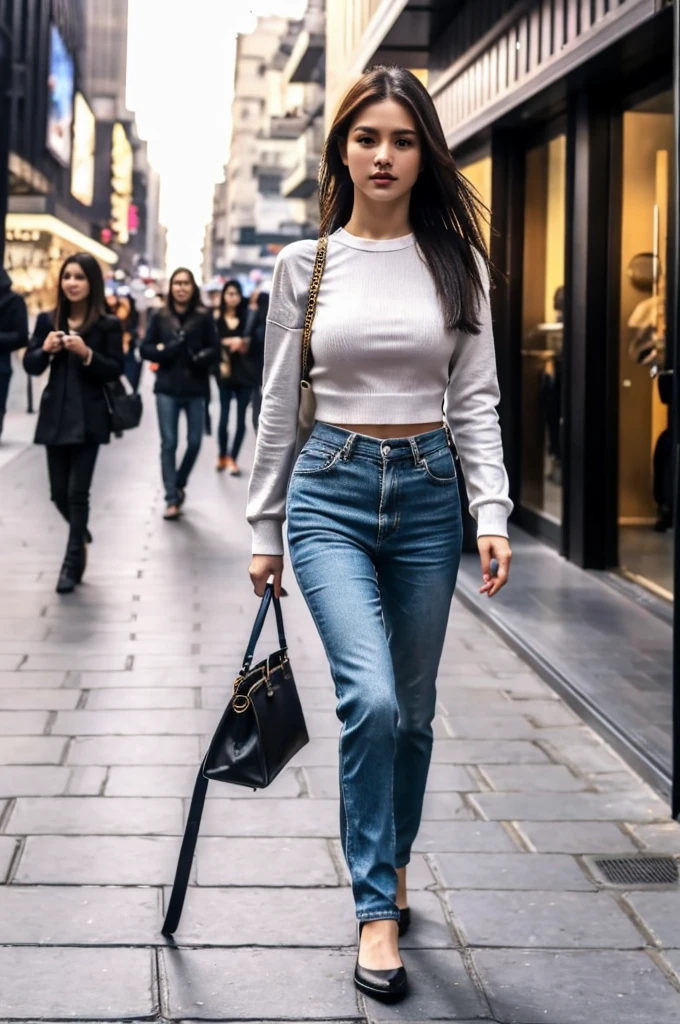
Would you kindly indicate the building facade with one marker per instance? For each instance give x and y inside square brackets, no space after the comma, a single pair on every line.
[268,196]
[563,114]
[77,172]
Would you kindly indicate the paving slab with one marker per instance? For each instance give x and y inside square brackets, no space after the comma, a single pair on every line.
[90,984]
[636,806]
[23,723]
[112,750]
[86,780]
[660,913]
[439,989]
[8,847]
[616,987]
[576,837]
[227,984]
[79,915]
[663,837]
[487,752]
[499,871]
[34,699]
[30,780]
[561,920]
[265,862]
[140,698]
[98,860]
[266,818]
[553,778]
[154,722]
[171,780]
[463,837]
[93,816]
[31,680]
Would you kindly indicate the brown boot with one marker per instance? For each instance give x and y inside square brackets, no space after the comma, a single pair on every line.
[221,464]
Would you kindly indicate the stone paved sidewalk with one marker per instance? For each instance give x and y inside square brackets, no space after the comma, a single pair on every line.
[106,699]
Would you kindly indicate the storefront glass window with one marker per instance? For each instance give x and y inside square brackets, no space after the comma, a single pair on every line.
[542,331]
[645,448]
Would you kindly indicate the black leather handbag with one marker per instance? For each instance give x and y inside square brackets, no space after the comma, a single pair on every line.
[262,728]
[125,408]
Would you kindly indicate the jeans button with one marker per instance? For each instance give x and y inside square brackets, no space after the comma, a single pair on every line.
[386,449]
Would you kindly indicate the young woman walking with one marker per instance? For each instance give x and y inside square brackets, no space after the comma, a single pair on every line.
[181,339]
[236,377]
[402,328]
[83,349]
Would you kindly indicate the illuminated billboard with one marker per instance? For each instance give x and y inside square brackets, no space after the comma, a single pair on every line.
[82,165]
[121,183]
[60,85]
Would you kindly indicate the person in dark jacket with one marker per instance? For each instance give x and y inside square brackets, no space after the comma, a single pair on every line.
[83,349]
[236,377]
[181,339]
[258,307]
[13,335]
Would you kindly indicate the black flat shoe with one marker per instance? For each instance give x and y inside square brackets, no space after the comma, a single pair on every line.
[88,537]
[67,581]
[404,920]
[387,986]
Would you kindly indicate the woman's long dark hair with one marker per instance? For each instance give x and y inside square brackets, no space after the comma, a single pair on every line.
[445,210]
[242,307]
[194,301]
[96,303]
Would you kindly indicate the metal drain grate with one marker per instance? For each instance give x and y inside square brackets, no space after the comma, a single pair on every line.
[637,871]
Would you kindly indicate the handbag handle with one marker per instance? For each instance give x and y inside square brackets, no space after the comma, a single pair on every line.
[259,623]
[314,285]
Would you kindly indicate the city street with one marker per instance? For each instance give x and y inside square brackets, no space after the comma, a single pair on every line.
[107,697]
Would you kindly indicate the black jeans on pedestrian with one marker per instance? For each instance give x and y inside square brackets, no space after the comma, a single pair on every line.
[228,390]
[71,468]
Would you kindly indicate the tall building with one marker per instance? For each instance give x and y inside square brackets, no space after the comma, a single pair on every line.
[104,64]
[268,196]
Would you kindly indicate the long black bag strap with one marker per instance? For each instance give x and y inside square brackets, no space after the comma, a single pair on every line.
[186,854]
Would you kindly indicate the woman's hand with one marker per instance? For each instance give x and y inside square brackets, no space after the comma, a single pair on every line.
[254,296]
[54,342]
[237,345]
[74,343]
[497,548]
[261,568]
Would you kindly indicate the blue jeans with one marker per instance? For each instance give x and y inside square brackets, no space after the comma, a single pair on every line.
[169,408]
[374,531]
[242,396]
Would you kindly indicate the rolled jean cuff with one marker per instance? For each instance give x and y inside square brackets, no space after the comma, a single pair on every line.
[386,915]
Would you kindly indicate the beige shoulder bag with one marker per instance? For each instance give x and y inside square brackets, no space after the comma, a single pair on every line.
[307,407]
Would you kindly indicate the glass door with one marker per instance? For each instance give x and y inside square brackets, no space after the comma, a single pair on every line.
[542,335]
[645,493]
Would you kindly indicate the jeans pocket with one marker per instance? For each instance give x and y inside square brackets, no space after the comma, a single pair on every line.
[314,459]
[440,467]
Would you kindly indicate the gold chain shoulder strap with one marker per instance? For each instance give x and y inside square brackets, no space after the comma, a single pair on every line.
[314,285]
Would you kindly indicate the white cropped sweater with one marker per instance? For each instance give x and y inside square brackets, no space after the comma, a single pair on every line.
[382,355]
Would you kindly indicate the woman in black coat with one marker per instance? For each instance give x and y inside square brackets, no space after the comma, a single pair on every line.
[83,349]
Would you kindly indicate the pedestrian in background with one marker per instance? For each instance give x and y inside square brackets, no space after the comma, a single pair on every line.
[181,339]
[235,377]
[82,347]
[124,307]
[258,305]
[403,330]
[13,335]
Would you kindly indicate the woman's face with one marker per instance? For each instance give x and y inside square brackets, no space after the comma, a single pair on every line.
[232,297]
[74,283]
[383,151]
[182,288]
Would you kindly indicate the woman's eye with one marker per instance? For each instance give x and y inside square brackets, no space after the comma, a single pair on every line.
[365,138]
[403,143]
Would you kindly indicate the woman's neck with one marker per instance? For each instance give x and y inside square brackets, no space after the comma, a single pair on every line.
[379,220]
[78,312]
[231,314]
[181,308]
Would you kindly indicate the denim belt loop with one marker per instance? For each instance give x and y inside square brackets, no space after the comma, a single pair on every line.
[348,448]
[417,457]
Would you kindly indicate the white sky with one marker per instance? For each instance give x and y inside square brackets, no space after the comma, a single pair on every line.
[180,80]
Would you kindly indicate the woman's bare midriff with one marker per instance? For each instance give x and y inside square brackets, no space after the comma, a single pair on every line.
[388,430]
